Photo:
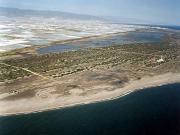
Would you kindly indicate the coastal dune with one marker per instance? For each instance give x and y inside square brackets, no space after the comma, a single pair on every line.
[50,102]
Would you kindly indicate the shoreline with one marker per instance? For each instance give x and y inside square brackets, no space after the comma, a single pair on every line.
[34,48]
[65,102]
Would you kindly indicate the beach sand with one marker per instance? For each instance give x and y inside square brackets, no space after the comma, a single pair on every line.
[39,104]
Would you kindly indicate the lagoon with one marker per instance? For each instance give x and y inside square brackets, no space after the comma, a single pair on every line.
[121,39]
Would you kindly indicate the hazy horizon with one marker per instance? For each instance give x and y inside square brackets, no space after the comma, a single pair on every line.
[163,12]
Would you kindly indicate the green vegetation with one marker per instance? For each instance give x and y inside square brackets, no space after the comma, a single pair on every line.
[9,72]
[136,58]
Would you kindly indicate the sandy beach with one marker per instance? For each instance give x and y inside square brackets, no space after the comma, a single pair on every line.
[36,104]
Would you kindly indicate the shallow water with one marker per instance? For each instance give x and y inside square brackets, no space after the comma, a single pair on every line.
[154,111]
[131,37]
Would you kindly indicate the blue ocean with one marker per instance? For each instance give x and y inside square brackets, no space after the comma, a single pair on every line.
[152,111]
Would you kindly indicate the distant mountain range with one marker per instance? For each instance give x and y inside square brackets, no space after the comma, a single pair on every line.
[14,12]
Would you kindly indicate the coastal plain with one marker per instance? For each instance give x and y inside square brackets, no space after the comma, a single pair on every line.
[33,82]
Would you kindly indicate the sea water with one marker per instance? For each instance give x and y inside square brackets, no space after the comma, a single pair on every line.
[152,111]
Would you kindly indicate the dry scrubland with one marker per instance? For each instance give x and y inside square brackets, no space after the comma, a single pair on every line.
[62,79]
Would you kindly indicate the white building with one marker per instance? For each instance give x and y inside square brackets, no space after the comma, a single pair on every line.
[160,60]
